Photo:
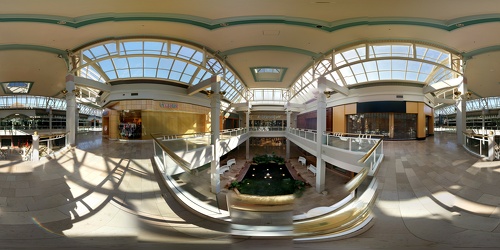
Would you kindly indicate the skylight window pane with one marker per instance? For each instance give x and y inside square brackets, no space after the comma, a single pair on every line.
[414,66]
[444,59]
[351,56]
[370,66]
[427,68]
[402,50]
[133,48]
[99,51]
[372,76]
[153,47]
[258,95]
[350,80]
[337,78]
[268,94]
[399,75]
[190,69]
[165,63]
[174,49]
[123,73]
[361,52]
[339,60]
[346,72]
[163,73]
[136,73]
[361,78]
[16,87]
[151,62]
[422,77]
[399,65]
[421,51]
[179,66]
[111,75]
[384,65]
[385,75]
[432,55]
[174,75]
[357,69]
[106,65]
[111,48]
[150,72]
[185,78]
[382,50]
[411,76]
[197,57]
[88,54]
[186,53]
[120,63]
[320,70]
[135,62]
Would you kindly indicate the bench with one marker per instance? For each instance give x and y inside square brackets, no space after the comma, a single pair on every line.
[223,169]
[302,160]
[231,162]
[312,169]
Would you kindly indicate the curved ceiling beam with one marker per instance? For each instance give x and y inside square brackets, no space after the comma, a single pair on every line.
[210,24]
[55,51]
[471,54]
[270,47]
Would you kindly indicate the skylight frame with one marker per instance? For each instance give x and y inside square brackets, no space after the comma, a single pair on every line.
[17,90]
[176,62]
[268,73]
[407,62]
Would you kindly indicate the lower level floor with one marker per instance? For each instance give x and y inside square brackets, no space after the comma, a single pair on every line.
[104,193]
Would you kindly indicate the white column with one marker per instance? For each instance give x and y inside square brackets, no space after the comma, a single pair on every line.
[71,109]
[247,143]
[461,112]
[288,121]
[320,128]
[35,155]
[215,141]
[491,145]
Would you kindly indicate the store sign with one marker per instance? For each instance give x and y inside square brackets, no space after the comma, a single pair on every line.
[167,105]
[267,117]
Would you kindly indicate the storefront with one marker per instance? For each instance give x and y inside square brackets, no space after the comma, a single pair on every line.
[138,119]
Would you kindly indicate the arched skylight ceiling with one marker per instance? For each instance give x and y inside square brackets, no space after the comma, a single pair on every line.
[378,62]
[488,103]
[43,102]
[157,59]
[268,96]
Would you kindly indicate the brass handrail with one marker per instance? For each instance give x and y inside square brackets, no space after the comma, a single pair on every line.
[196,133]
[181,162]
[339,221]
[356,180]
[475,135]
[365,157]
[353,134]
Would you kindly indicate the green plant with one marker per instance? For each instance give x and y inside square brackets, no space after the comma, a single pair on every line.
[299,187]
[233,185]
[265,159]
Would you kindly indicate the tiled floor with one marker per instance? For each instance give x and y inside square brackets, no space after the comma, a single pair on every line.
[104,194]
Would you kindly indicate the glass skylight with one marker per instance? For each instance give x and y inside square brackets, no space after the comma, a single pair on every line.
[16,87]
[168,60]
[268,96]
[42,102]
[268,74]
[378,62]
[490,103]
